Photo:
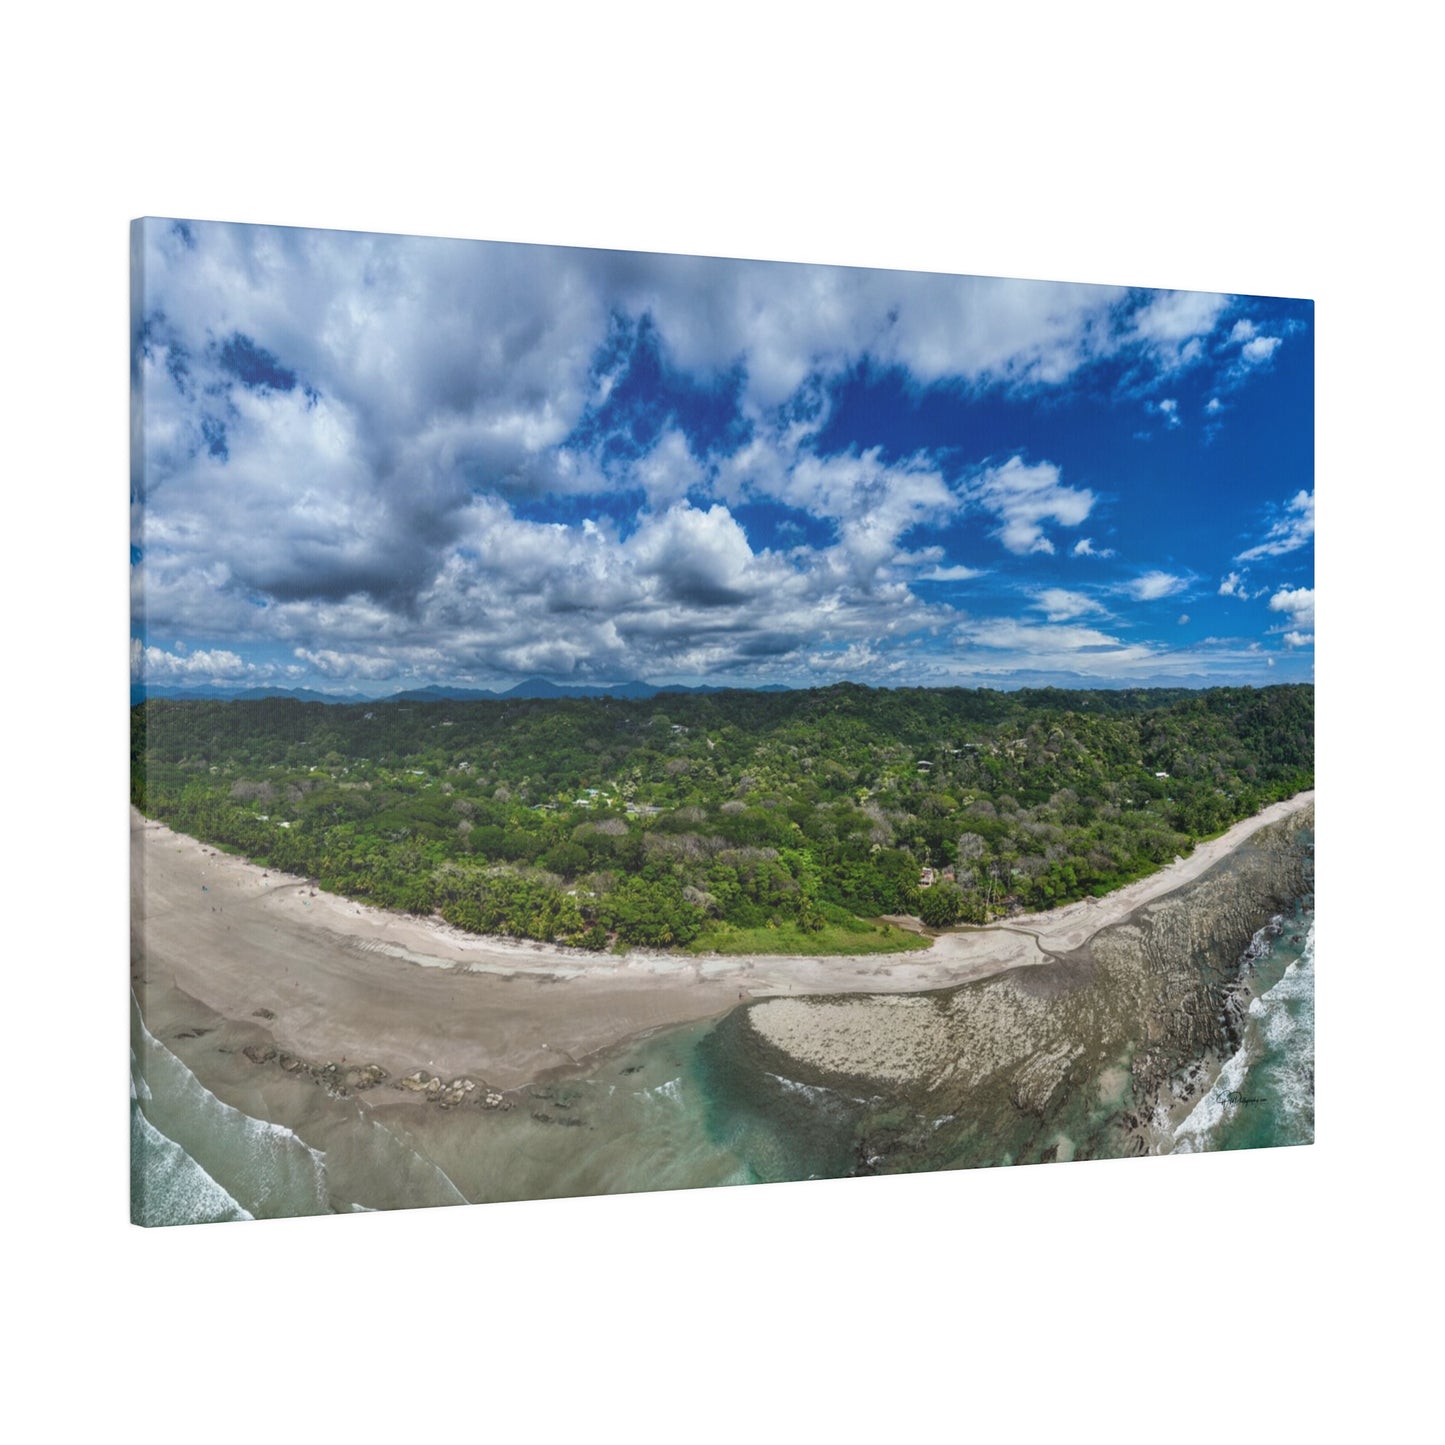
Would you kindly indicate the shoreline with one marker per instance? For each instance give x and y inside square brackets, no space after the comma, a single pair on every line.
[330,979]
[1109,1051]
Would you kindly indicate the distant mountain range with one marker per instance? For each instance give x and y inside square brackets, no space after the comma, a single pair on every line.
[532,687]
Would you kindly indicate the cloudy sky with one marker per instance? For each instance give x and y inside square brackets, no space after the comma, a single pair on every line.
[364,462]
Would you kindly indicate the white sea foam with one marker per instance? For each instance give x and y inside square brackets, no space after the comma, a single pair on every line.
[139,1089]
[169,1187]
[1275,1018]
[808,1091]
[672,1090]
[1215,1108]
[1263,940]
[267,1166]
[1289,1025]
[1279,1045]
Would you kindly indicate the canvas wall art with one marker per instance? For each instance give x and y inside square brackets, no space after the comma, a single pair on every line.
[606,722]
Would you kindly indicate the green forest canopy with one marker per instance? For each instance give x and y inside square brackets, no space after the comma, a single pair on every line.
[729,820]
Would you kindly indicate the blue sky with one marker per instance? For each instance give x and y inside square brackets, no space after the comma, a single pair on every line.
[363,462]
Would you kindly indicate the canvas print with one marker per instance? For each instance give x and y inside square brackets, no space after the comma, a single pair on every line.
[606,722]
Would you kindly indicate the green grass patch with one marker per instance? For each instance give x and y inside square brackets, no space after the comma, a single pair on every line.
[856,936]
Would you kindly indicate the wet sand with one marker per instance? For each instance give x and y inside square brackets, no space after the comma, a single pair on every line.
[330,979]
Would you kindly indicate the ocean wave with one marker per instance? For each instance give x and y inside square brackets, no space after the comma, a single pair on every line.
[265,1166]
[169,1187]
[1195,1132]
[409,1161]
[139,1089]
[1261,945]
[1289,1026]
[1275,1018]
[812,1092]
[672,1090]
[1273,1067]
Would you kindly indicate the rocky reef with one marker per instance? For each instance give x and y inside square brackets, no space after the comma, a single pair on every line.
[342,1081]
[1087,1056]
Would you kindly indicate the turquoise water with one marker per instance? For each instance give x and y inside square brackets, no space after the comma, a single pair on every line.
[637,1122]
[1265,1094]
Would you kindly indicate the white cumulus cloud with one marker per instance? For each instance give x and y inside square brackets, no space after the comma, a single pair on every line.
[1291,531]
[1260,349]
[1154,585]
[392,458]
[1298,603]
[1025,497]
[1060,605]
[1174,326]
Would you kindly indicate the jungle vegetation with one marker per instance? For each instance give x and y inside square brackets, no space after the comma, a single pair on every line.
[738,821]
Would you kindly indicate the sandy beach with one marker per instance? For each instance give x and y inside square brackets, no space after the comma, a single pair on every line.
[333,980]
